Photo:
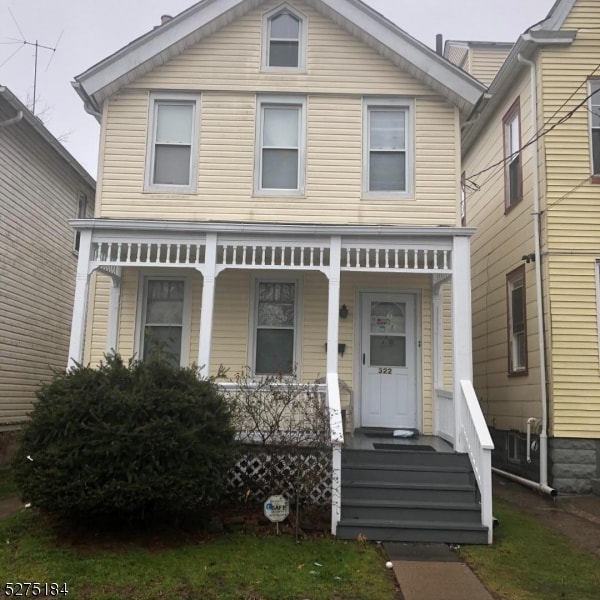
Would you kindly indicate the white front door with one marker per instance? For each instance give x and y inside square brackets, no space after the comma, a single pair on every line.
[388,356]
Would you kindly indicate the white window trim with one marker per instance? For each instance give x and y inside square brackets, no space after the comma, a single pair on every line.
[270,100]
[253,320]
[591,127]
[156,97]
[394,103]
[144,276]
[302,40]
[516,276]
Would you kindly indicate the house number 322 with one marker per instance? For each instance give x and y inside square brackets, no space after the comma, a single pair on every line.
[385,371]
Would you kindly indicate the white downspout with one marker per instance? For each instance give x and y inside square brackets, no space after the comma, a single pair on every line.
[543,484]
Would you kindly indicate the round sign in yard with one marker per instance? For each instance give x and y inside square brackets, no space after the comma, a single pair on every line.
[277,508]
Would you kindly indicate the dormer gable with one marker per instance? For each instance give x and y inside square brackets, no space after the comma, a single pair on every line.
[205,18]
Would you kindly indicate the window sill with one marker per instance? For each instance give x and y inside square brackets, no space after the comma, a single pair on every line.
[595,179]
[281,70]
[173,190]
[395,196]
[521,373]
[279,194]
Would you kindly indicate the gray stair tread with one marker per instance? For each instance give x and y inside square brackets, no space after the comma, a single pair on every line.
[401,485]
[427,468]
[389,524]
[412,504]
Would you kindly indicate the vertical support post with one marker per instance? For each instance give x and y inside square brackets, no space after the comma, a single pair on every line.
[333,326]
[437,343]
[462,343]
[113,311]
[82,285]
[208,302]
[333,311]
[336,488]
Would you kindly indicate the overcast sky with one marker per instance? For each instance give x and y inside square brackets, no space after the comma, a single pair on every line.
[90,30]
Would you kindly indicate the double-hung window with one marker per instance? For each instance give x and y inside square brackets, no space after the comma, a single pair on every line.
[171,164]
[281,143]
[513,168]
[388,148]
[517,322]
[594,117]
[163,319]
[284,40]
[275,327]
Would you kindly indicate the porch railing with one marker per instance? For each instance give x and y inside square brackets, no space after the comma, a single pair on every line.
[475,438]
[444,415]
[330,392]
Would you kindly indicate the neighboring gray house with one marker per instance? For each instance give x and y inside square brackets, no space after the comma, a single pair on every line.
[41,187]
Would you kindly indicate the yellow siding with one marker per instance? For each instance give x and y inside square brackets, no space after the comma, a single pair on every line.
[98,334]
[485,62]
[497,247]
[230,60]
[573,221]
[341,71]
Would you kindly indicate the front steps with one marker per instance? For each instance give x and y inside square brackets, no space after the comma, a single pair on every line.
[409,496]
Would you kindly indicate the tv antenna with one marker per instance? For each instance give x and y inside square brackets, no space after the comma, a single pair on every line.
[37,47]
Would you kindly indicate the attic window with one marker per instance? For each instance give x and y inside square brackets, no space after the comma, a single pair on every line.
[284,44]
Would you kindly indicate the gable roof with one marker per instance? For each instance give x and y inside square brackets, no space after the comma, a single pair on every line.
[547,32]
[206,17]
[24,114]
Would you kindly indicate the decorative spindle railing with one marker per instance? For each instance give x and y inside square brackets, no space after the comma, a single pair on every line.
[278,254]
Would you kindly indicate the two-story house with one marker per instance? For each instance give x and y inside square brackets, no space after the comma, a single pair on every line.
[531,169]
[279,187]
[41,187]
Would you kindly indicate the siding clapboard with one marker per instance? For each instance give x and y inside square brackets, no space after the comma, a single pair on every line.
[341,72]
[38,194]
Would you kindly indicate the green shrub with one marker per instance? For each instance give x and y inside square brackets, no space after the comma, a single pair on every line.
[126,441]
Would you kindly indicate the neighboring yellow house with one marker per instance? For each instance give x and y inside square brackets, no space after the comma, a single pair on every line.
[279,187]
[41,187]
[532,167]
[481,59]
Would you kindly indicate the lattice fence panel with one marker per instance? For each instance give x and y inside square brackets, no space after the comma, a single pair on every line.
[261,472]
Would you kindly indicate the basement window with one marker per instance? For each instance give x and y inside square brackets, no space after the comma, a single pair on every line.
[513,453]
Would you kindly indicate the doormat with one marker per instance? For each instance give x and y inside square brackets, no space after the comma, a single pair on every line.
[384,433]
[404,447]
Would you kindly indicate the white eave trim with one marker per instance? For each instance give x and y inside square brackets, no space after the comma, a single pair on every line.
[558,15]
[204,18]
[199,227]
[46,136]
[526,45]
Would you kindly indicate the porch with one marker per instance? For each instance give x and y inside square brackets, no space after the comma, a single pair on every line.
[426,362]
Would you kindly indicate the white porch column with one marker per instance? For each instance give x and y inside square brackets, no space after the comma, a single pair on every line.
[333,311]
[437,336]
[113,311]
[462,343]
[208,303]
[82,285]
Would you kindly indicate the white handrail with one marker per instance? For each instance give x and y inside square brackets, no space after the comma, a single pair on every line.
[478,442]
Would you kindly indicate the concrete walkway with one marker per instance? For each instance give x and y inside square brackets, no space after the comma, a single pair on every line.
[433,572]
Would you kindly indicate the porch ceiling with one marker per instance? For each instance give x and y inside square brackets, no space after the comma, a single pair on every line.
[270,246]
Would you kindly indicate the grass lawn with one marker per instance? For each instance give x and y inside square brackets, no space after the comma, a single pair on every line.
[7,484]
[230,566]
[528,561]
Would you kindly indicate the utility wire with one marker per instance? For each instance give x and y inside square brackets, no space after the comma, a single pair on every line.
[540,133]
[571,191]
